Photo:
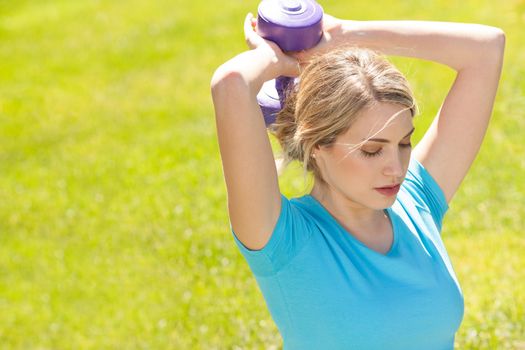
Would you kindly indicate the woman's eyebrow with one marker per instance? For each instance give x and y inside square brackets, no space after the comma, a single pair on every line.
[388,141]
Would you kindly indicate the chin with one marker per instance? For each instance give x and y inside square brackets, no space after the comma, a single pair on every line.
[385,203]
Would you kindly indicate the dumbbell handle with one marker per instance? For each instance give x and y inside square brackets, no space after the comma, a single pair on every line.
[293,25]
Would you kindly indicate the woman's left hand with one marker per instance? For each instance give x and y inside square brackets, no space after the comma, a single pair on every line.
[332,38]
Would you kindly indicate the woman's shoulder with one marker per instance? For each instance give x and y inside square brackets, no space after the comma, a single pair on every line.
[420,190]
[293,229]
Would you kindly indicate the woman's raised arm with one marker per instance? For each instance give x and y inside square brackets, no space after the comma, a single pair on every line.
[474,51]
[254,200]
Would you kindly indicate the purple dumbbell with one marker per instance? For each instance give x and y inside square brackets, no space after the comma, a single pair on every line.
[293,25]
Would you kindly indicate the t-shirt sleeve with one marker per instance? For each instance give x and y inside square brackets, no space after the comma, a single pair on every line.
[291,232]
[425,191]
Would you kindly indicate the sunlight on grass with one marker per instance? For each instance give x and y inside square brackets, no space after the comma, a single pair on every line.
[113,225]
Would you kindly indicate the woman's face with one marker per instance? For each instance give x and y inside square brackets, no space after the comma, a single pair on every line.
[367,163]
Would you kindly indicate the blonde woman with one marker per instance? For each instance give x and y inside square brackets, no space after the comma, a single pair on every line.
[358,263]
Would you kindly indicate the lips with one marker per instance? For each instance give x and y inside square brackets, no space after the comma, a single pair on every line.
[388,191]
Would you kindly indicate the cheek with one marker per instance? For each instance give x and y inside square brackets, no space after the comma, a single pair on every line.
[359,169]
[406,158]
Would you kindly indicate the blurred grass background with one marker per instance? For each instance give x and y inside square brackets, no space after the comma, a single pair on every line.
[113,225]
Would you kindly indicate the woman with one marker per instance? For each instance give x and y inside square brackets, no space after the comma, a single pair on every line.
[359,262]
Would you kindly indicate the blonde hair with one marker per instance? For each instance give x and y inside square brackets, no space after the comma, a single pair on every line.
[333,89]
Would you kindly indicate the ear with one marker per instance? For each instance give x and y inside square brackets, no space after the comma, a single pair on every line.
[315,149]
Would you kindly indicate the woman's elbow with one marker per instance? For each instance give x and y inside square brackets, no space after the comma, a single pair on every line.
[490,48]
[227,80]
[224,75]
[497,39]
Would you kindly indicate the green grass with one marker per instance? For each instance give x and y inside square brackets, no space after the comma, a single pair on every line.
[113,225]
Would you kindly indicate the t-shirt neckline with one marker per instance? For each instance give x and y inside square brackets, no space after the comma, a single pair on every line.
[389,213]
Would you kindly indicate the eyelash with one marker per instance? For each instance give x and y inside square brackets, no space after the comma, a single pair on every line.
[380,151]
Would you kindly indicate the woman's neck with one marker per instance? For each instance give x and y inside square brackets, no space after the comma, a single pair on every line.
[353,215]
[370,226]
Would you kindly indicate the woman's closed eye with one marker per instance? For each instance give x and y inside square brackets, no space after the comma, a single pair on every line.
[371,153]
[374,152]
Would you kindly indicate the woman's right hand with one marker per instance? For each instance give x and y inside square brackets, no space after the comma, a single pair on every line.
[284,64]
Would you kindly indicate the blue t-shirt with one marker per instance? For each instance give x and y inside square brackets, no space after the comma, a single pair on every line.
[327,290]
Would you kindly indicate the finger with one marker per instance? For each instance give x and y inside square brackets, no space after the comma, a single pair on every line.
[329,21]
[293,67]
[248,23]
[296,54]
[328,18]
[250,35]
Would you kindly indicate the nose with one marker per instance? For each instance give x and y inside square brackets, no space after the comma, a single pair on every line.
[394,165]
